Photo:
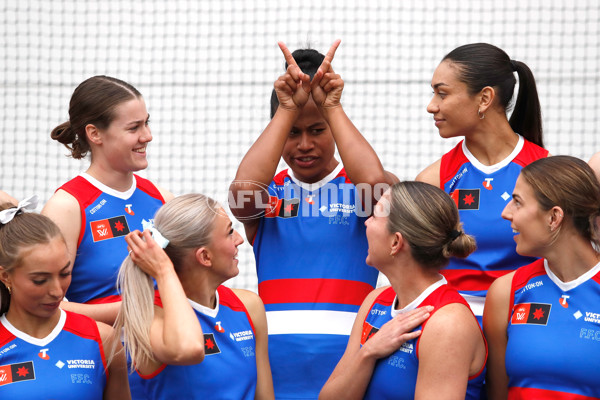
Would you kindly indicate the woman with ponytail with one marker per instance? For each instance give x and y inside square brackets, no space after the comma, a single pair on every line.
[46,352]
[541,321]
[415,339]
[472,91]
[198,339]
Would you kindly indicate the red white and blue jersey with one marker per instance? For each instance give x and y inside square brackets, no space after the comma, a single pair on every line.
[229,367]
[395,376]
[107,216]
[310,251]
[67,364]
[553,349]
[481,192]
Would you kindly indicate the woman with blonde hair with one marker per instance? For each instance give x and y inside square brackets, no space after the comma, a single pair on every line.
[47,352]
[198,338]
[417,338]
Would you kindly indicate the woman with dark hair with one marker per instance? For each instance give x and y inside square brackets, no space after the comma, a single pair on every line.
[306,223]
[473,87]
[415,339]
[46,352]
[95,210]
[541,321]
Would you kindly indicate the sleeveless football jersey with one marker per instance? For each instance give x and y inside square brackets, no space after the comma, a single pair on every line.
[553,349]
[481,192]
[106,217]
[395,376]
[310,251]
[229,367]
[67,364]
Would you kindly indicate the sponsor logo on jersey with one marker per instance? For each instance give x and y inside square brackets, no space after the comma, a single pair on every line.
[128,209]
[8,348]
[466,199]
[210,344]
[487,183]
[219,328]
[367,332]
[592,317]
[43,354]
[563,301]
[97,206]
[109,228]
[81,363]
[242,335]
[531,314]
[310,199]
[282,208]
[12,373]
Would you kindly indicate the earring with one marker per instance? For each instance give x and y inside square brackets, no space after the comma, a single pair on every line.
[480,114]
[9,290]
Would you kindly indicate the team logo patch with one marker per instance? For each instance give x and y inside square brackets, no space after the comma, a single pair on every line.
[466,199]
[210,344]
[12,373]
[282,208]
[531,313]
[109,228]
[367,332]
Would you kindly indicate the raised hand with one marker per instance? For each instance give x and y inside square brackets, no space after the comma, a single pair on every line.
[396,332]
[147,254]
[293,87]
[326,85]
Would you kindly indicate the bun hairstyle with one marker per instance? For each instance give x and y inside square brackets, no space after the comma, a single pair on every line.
[24,230]
[569,183]
[187,221]
[93,102]
[429,221]
[482,64]
[309,61]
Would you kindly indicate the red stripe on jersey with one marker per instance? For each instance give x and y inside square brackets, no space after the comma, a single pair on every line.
[517,393]
[522,276]
[472,279]
[338,291]
[529,154]
[103,300]
[148,187]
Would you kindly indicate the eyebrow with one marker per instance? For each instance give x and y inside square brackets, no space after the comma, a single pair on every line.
[137,122]
[48,273]
[437,85]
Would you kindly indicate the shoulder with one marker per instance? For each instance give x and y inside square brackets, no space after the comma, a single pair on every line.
[595,163]
[431,174]
[250,300]
[61,202]
[153,190]
[452,323]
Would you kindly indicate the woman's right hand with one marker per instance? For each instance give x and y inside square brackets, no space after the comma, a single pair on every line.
[396,332]
[147,254]
[293,87]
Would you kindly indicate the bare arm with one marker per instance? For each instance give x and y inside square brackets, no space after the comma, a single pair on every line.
[175,333]
[451,349]
[495,324]
[431,174]
[358,157]
[117,384]
[260,162]
[350,378]
[63,209]
[256,309]
[7,198]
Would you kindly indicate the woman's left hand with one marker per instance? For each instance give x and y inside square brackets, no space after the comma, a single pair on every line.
[326,86]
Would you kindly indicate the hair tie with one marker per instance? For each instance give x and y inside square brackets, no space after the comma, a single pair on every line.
[156,235]
[454,234]
[28,204]
[513,64]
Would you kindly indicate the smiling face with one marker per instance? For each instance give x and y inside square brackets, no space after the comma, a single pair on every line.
[309,149]
[124,141]
[454,109]
[529,222]
[40,281]
[379,236]
[223,246]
